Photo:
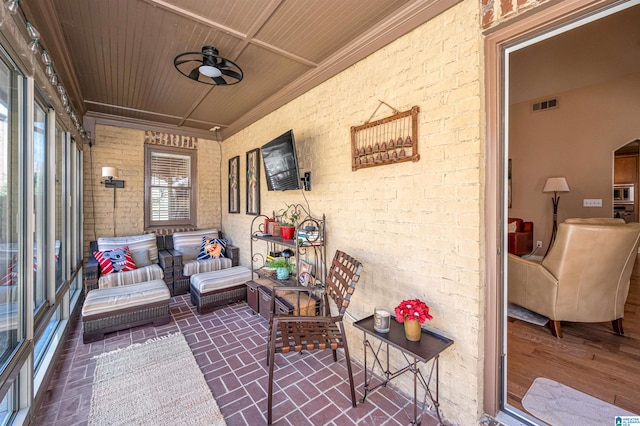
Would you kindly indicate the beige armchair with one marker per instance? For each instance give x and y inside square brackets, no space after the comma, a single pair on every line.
[584,277]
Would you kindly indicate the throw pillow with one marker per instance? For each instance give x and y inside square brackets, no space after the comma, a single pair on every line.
[512,227]
[115,260]
[141,258]
[212,248]
[189,252]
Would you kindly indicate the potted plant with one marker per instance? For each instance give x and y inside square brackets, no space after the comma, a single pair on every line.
[283,268]
[288,218]
[412,313]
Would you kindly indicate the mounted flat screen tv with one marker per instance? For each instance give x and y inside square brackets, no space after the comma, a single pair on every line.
[281,163]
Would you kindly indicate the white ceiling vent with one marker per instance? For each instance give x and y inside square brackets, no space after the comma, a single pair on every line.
[544,105]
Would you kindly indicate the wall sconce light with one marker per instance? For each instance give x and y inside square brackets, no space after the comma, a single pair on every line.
[109,173]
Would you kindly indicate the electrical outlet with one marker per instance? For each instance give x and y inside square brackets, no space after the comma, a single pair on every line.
[539,244]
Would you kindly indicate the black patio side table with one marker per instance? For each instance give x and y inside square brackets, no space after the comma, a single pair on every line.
[428,348]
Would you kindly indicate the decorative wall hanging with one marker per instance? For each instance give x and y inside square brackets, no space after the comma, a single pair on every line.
[169,139]
[253,181]
[389,140]
[234,187]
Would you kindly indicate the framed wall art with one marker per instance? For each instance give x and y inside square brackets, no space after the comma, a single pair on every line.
[234,187]
[253,181]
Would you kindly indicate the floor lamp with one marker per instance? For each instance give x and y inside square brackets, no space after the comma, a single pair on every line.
[555,185]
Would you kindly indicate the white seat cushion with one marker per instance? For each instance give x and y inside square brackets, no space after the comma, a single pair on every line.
[148,273]
[200,266]
[103,300]
[214,280]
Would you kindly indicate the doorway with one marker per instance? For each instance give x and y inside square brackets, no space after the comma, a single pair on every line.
[626,166]
[541,145]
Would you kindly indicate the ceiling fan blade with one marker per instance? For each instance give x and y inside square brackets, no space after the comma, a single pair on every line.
[219,80]
[223,63]
[184,61]
[231,74]
[193,75]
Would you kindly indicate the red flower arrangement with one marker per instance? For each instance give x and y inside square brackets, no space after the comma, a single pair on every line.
[412,309]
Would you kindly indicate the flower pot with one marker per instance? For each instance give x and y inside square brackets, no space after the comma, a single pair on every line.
[282,273]
[287,232]
[412,330]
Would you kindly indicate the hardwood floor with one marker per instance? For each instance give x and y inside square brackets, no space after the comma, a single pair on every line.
[589,358]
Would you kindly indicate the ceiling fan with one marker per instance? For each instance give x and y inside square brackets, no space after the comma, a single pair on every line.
[210,68]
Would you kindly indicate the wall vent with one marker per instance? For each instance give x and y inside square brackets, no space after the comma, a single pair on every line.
[544,105]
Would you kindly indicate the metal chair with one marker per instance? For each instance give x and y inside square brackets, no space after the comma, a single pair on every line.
[293,333]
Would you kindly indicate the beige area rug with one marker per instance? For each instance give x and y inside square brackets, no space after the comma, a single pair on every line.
[154,383]
[560,405]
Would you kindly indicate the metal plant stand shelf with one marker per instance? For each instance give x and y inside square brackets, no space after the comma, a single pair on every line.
[427,349]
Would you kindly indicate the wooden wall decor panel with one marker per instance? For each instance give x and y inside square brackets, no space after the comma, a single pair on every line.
[168,139]
[390,140]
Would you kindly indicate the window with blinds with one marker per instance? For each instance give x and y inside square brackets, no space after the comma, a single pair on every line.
[169,186]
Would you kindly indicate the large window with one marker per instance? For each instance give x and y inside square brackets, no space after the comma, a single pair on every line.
[11,282]
[40,235]
[170,197]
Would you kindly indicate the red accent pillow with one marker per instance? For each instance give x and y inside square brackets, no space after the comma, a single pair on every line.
[115,260]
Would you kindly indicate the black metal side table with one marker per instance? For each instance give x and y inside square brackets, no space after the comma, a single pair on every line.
[427,349]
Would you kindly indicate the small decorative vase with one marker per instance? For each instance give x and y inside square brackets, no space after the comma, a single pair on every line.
[412,330]
[282,273]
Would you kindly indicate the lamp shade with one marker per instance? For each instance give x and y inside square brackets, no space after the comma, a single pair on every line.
[109,172]
[556,184]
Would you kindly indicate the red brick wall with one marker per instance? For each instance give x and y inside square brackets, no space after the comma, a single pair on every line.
[493,12]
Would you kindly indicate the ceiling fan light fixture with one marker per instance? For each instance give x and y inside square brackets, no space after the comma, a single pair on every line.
[208,67]
[209,71]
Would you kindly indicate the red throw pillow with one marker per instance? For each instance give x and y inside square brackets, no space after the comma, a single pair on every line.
[116,260]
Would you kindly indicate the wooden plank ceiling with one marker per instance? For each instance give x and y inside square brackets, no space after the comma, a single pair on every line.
[115,57]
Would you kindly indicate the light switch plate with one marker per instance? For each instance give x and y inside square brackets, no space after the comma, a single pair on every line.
[592,202]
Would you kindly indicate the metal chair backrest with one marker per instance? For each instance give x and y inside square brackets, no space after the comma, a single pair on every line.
[344,273]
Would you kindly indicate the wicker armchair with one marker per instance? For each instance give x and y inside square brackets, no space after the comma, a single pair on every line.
[293,333]
[158,258]
[181,250]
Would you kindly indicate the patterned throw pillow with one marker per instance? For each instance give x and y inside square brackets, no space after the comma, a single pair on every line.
[212,248]
[115,260]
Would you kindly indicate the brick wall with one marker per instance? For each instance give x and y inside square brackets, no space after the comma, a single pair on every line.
[494,12]
[124,148]
[416,227]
